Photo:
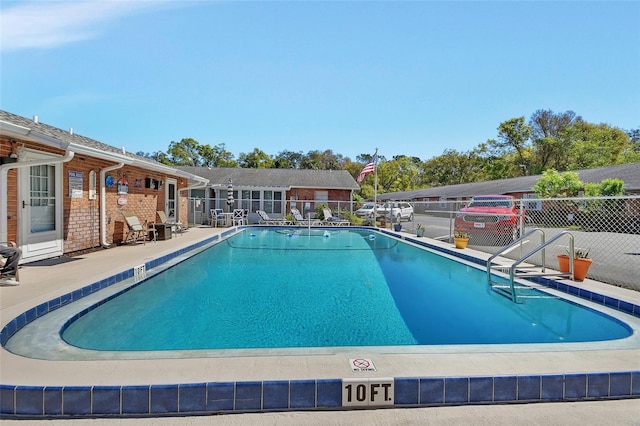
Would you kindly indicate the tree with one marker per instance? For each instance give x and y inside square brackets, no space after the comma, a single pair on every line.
[415,160]
[366,158]
[325,160]
[288,160]
[513,135]
[547,130]
[597,145]
[611,187]
[184,153]
[397,175]
[634,138]
[553,184]
[216,156]
[494,166]
[158,156]
[453,167]
[256,159]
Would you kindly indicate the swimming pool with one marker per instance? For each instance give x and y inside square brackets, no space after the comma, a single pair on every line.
[288,288]
[156,383]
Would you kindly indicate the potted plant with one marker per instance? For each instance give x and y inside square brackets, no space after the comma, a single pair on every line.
[581,263]
[460,239]
[420,230]
[397,227]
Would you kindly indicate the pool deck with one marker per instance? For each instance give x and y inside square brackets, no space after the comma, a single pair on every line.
[45,280]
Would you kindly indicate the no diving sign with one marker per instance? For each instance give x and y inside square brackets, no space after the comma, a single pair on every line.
[362,364]
[366,391]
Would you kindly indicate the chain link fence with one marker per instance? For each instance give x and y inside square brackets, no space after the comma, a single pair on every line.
[608,228]
[199,208]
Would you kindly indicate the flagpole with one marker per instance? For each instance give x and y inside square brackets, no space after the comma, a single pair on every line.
[375,187]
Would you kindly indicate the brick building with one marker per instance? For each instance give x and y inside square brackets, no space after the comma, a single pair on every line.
[275,191]
[61,192]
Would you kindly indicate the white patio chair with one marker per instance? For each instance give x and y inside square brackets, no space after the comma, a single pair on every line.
[239,217]
[216,218]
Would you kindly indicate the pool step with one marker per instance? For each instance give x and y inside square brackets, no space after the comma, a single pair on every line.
[505,290]
[520,269]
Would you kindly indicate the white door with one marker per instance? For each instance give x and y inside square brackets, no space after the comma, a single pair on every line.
[40,210]
[171,195]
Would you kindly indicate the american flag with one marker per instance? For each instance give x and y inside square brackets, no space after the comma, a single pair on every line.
[369,168]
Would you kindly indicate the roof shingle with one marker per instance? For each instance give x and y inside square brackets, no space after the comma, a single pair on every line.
[285,178]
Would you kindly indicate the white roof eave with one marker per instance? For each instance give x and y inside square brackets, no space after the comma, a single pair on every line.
[250,187]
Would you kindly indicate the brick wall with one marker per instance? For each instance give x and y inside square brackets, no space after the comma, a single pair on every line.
[309,194]
[81,216]
[82,230]
[12,192]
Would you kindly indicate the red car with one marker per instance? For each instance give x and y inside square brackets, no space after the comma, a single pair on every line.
[491,216]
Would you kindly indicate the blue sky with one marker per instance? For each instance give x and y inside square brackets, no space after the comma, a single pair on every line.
[411,78]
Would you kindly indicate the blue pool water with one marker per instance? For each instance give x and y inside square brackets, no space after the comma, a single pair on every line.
[278,288]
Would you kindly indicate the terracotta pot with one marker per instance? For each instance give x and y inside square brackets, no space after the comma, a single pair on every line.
[461,243]
[580,266]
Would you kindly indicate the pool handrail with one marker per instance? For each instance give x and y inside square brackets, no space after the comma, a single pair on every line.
[514,266]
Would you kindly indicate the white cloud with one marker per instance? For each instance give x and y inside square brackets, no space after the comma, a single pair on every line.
[48,24]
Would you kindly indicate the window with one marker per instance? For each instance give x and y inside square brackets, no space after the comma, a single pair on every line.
[197,193]
[531,205]
[321,197]
[273,202]
[255,200]
[43,198]
[277,202]
[246,199]
[268,201]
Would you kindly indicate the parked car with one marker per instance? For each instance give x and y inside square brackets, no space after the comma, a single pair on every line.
[367,210]
[491,215]
[398,211]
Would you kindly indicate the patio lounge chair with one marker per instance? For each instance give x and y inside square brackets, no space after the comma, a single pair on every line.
[300,220]
[266,220]
[7,280]
[330,219]
[175,226]
[137,232]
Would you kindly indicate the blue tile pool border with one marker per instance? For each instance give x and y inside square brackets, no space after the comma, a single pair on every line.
[17,401]
[282,395]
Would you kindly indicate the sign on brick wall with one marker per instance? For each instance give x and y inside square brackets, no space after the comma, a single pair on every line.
[75,184]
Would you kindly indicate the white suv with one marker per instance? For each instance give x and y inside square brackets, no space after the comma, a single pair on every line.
[367,210]
[398,211]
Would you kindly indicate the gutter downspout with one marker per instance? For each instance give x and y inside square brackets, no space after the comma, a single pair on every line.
[4,170]
[103,203]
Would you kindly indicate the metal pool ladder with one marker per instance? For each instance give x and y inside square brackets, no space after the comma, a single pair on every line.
[517,268]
